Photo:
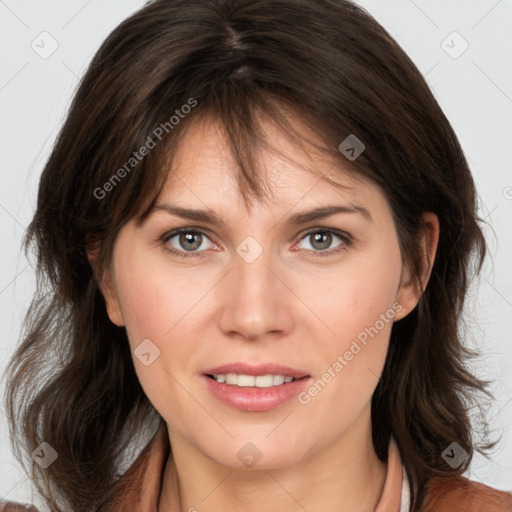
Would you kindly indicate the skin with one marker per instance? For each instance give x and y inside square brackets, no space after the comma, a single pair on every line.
[288,306]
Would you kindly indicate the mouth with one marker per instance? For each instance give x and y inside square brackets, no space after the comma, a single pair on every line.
[252,381]
[264,375]
[254,388]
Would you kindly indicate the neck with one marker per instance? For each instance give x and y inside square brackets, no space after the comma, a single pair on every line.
[345,477]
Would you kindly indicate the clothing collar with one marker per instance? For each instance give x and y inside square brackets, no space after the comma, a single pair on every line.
[395,495]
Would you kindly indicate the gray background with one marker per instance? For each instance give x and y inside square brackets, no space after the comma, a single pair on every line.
[474,89]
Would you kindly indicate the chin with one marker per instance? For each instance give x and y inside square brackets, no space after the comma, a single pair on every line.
[257,452]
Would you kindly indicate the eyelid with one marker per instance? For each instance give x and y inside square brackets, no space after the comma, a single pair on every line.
[185,229]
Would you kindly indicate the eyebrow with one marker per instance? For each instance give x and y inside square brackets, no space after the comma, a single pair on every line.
[210,217]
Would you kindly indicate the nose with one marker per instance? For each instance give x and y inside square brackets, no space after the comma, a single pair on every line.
[255,300]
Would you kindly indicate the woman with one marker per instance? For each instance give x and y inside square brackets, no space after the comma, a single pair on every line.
[303,353]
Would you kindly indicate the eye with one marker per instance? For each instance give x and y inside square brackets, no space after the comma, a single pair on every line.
[188,240]
[321,239]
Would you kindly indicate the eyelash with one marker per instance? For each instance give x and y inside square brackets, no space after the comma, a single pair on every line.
[345,237]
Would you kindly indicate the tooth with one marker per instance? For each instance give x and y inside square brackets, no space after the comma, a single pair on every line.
[261,381]
[231,378]
[278,379]
[264,381]
[246,381]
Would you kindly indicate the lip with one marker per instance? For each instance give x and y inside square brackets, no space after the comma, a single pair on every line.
[241,368]
[255,399]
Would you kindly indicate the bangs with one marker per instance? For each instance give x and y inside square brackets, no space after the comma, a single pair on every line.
[246,138]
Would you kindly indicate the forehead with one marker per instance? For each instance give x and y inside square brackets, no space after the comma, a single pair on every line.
[203,169]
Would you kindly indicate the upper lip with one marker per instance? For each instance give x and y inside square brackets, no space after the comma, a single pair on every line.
[241,368]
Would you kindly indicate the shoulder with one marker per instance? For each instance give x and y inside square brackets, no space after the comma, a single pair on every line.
[461,494]
[8,506]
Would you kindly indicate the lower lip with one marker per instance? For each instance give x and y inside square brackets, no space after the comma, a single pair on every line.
[252,398]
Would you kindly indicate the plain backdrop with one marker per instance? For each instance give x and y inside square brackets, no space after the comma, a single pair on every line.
[473,86]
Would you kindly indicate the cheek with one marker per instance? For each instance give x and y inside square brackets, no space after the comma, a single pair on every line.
[158,306]
[359,305]
[147,306]
[378,275]
[162,304]
[154,299]
[356,294]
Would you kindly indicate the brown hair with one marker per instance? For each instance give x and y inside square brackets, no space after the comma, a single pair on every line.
[72,382]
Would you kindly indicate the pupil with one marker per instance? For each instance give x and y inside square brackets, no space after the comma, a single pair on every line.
[318,236]
[186,238]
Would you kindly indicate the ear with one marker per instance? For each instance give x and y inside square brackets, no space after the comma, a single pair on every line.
[409,294]
[107,288]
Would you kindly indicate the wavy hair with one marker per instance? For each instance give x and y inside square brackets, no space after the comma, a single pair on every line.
[72,381]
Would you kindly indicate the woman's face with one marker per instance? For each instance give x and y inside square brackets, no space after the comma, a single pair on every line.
[254,293]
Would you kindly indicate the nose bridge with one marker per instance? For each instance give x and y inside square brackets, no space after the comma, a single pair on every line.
[253,277]
[253,262]
[253,302]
